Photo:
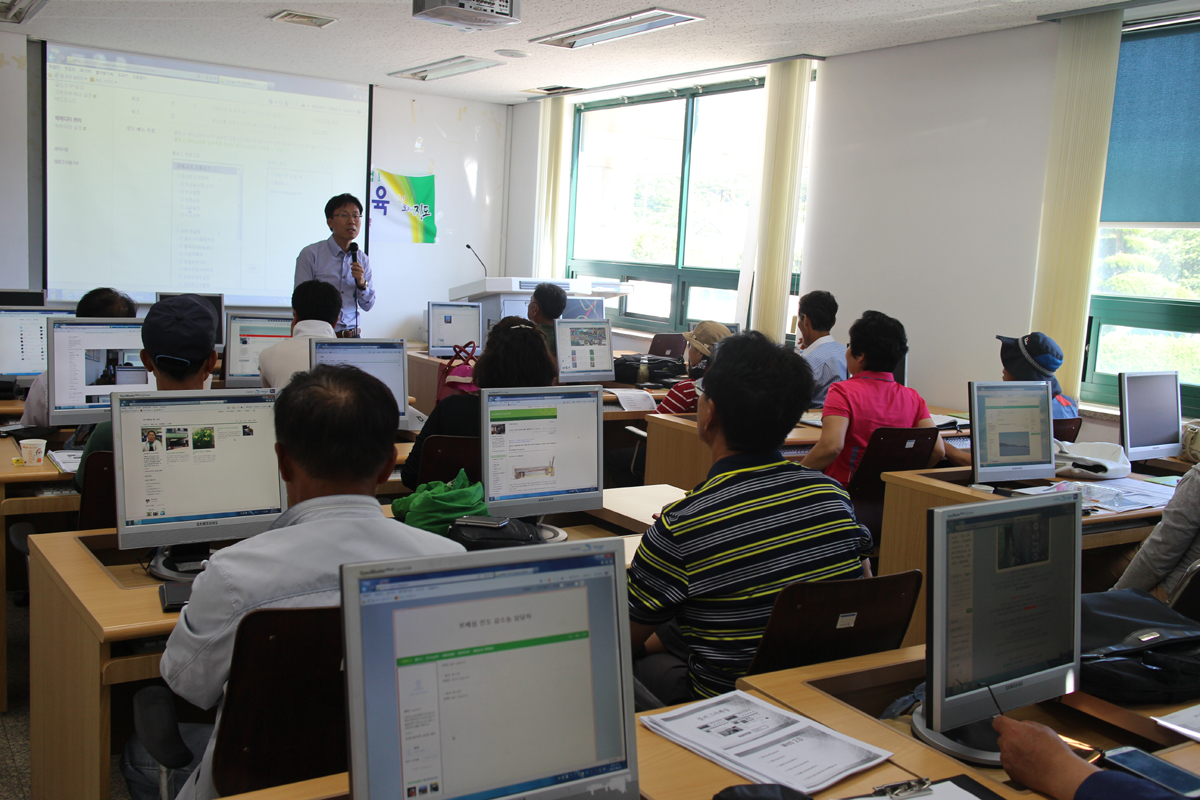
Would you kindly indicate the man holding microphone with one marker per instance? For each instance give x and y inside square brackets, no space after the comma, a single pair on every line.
[338,261]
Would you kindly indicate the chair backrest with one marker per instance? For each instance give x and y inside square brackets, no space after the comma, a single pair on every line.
[443,456]
[1067,430]
[888,450]
[818,621]
[98,497]
[280,723]
[667,344]
[1186,597]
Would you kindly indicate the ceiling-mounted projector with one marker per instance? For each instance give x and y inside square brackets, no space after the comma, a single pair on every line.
[469,15]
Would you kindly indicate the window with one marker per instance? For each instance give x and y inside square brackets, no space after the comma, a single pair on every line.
[661,196]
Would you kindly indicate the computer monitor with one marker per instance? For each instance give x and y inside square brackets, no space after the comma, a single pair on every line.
[22,297]
[383,358]
[87,360]
[1150,414]
[23,341]
[1003,616]
[585,352]
[1012,432]
[734,328]
[456,662]
[453,324]
[900,373]
[583,308]
[247,335]
[541,451]
[195,466]
[218,303]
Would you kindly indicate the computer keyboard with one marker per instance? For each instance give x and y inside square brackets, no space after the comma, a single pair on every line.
[961,442]
[795,450]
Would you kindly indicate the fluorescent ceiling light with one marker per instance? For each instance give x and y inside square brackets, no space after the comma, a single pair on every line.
[445,69]
[642,22]
[17,11]
[301,18]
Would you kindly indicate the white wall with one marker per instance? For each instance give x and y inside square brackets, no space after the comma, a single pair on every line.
[523,190]
[14,192]
[925,195]
[462,143]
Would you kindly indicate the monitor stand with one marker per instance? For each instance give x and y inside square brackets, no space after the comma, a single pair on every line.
[179,562]
[975,743]
[549,533]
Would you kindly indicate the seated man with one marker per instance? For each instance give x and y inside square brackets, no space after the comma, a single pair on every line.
[547,304]
[818,313]
[870,398]
[177,342]
[714,561]
[332,519]
[316,306]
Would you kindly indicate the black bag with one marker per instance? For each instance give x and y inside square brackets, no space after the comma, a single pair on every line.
[625,368]
[1136,649]
[479,537]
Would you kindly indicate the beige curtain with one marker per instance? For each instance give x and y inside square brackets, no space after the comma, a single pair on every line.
[1084,84]
[554,187]
[783,154]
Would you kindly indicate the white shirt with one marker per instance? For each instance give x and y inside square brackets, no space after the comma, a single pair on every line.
[37,404]
[295,564]
[280,361]
[827,359]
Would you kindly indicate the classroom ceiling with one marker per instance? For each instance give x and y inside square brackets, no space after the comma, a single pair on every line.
[375,37]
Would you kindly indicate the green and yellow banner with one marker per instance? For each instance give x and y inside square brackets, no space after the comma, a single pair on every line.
[397,200]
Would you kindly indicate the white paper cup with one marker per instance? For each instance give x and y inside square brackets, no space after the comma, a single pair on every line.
[33,451]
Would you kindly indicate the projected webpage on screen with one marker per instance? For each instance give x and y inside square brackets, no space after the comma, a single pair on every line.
[167,175]
[541,444]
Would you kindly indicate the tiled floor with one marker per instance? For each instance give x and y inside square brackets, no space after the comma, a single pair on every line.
[14,725]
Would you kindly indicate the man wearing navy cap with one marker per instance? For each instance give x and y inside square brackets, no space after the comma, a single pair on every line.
[1037,357]
[177,347]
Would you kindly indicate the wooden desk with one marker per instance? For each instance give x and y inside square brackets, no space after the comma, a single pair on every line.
[633,508]
[909,495]
[1172,464]
[12,408]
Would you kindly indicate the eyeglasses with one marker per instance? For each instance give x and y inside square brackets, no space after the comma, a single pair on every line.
[699,384]
[344,215]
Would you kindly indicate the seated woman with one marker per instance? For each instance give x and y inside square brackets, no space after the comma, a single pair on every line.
[516,356]
[870,398]
[1035,357]
[626,466]
[1173,545]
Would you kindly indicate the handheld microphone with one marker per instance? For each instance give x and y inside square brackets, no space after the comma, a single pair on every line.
[353,252]
[354,260]
[480,260]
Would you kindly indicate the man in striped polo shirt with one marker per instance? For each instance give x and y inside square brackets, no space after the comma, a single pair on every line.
[705,577]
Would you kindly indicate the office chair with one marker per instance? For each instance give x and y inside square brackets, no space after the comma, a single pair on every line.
[888,450]
[279,724]
[1067,430]
[98,497]
[668,344]
[817,621]
[443,456]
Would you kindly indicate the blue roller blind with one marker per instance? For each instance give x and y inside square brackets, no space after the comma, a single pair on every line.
[1153,172]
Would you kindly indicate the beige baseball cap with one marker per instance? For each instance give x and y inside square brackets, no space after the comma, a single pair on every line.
[706,335]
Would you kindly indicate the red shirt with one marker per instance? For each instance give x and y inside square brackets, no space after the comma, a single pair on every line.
[680,400]
[869,400]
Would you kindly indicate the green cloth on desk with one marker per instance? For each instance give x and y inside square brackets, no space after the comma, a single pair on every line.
[100,440]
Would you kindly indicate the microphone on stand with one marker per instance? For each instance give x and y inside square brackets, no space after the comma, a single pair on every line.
[354,261]
[480,260]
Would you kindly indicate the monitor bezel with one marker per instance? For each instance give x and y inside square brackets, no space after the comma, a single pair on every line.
[944,713]
[32,294]
[446,351]
[352,574]
[1151,450]
[27,378]
[408,422]
[537,506]
[79,416]
[1017,472]
[245,381]
[594,376]
[219,344]
[172,533]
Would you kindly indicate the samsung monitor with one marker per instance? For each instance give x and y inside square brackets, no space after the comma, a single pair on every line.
[247,335]
[734,328]
[87,360]
[1151,426]
[1003,616]
[217,301]
[383,358]
[900,372]
[453,324]
[448,658]
[195,466]
[22,297]
[585,352]
[23,341]
[541,450]
[1012,432]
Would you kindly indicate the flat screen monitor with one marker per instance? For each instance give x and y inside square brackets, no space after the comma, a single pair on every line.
[1003,613]
[195,466]
[583,308]
[585,352]
[541,450]
[217,301]
[450,657]
[734,328]
[383,358]
[1012,432]
[1150,414]
[453,324]
[87,360]
[246,336]
[23,341]
[22,297]
[900,373]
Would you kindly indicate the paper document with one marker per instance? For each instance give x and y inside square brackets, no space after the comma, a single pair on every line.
[66,460]
[634,399]
[947,421]
[764,743]
[1186,722]
[1122,494]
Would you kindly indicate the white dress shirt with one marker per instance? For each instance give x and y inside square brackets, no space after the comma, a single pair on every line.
[277,363]
[827,359]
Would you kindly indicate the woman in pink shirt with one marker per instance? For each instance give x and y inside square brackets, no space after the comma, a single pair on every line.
[870,398]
